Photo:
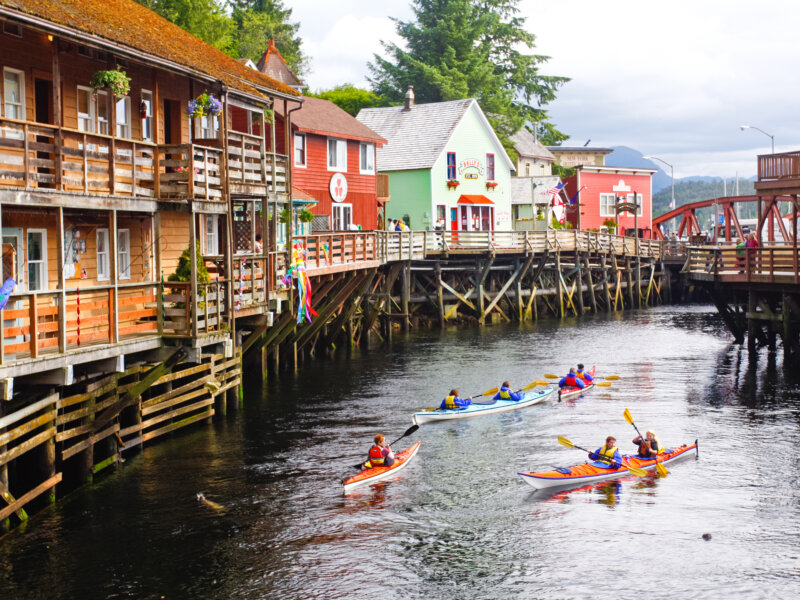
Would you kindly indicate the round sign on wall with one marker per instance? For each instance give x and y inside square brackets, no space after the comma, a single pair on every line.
[338,187]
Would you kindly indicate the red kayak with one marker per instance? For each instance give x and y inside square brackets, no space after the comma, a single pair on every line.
[570,391]
[378,473]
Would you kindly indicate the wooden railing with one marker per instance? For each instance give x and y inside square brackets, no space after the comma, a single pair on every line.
[779,166]
[54,322]
[778,263]
[250,165]
[189,171]
[208,314]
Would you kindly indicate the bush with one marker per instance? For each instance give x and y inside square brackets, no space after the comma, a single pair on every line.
[184,271]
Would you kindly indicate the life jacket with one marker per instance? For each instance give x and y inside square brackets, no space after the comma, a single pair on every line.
[645,449]
[607,454]
[584,375]
[376,458]
[450,402]
[504,394]
[571,380]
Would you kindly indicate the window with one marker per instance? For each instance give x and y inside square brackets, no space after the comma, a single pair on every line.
[85,51]
[299,150]
[146,109]
[37,260]
[490,167]
[103,112]
[527,169]
[337,155]
[103,265]
[607,202]
[212,235]
[86,112]
[451,165]
[124,253]
[13,99]
[367,158]
[342,217]
[123,115]
[638,199]
[206,127]
[12,29]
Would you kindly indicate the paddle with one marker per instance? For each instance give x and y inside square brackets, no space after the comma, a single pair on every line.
[660,469]
[635,470]
[408,432]
[488,392]
[530,386]
[602,383]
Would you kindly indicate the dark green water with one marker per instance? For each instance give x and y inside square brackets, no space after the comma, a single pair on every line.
[458,522]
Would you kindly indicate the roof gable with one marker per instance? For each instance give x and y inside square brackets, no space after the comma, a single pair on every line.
[273,64]
[323,117]
[127,25]
[526,144]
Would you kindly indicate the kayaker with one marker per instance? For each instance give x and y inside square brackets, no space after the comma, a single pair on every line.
[571,380]
[380,454]
[607,456]
[587,377]
[649,447]
[453,401]
[505,393]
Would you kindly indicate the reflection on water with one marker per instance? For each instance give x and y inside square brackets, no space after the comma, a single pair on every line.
[457,522]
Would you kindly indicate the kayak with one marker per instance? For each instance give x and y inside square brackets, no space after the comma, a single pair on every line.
[477,410]
[570,391]
[587,473]
[374,474]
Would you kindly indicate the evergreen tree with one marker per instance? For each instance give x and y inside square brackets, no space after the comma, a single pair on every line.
[470,49]
[204,19]
[350,98]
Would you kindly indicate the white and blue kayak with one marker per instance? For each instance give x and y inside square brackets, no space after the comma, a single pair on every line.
[478,410]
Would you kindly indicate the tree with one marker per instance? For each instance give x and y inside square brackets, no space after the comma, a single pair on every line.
[204,19]
[257,22]
[350,98]
[470,48]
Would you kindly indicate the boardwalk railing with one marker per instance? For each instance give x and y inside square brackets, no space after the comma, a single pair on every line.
[182,318]
[779,166]
[770,264]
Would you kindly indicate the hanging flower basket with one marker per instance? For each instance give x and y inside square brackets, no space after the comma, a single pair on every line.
[204,104]
[116,81]
[490,185]
[453,183]
[306,216]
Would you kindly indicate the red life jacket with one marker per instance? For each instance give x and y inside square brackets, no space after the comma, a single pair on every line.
[376,458]
[571,380]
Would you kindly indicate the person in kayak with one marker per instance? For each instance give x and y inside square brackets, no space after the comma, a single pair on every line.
[571,380]
[452,401]
[649,446]
[586,377]
[607,456]
[380,454]
[505,393]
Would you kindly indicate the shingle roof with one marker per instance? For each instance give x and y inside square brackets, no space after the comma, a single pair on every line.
[128,24]
[526,144]
[272,64]
[325,118]
[416,137]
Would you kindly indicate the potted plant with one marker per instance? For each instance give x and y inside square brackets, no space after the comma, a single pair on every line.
[490,185]
[306,216]
[453,183]
[204,104]
[286,214]
[116,81]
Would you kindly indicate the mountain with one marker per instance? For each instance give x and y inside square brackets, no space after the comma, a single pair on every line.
[622,156]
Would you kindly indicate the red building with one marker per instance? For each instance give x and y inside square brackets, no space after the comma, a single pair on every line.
[600,189]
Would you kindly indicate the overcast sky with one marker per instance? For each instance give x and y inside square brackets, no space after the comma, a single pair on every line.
[674,80]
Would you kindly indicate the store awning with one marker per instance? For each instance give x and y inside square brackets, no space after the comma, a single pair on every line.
[474,199]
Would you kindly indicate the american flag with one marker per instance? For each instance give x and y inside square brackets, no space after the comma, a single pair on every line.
[555,189]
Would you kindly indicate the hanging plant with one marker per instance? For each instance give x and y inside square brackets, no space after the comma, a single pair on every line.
[286,214]
[306,216]
[116,81]
[204,104]
[269,114]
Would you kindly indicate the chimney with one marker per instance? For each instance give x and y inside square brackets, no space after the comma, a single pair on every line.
[409,98]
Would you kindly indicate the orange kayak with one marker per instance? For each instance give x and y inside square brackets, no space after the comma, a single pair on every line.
[374,474]
[587,473]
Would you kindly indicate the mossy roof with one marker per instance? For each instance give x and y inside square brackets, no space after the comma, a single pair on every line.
[128,24]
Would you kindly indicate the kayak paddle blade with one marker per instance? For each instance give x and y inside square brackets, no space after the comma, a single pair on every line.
[603,383]
[628,416]
[551,376]
[565,442]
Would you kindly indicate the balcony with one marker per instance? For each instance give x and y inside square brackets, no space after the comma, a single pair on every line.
[778,174]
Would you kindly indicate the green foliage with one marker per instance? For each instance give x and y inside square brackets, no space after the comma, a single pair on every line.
[562,172]
[470,49]
[116,81]
[610,224]
[205,19]
[286,214]
[184,272]
[306,216]
[350,98]
[687,192]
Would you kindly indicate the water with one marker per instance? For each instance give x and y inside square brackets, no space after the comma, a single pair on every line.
[457,522]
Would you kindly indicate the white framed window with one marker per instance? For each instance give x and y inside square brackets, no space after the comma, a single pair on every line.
[337,155]
[212,235]
[146,109]
[13,99]
[342,217]
[37,260]
[607,203]
[123,116]
[124,253]
[103,112]
[299,150]
[206,127]
[86,109]
[103,263]
[638,199]
[366,158]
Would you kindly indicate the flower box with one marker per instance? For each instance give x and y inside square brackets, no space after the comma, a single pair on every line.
[490,185]
[453,183]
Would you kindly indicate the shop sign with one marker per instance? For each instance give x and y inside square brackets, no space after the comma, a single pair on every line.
[471,163]
[338,187]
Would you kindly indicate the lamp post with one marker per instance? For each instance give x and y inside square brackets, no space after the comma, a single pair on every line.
[671,174]
[770,136]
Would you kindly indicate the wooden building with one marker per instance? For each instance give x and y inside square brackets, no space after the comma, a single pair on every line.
[102,190]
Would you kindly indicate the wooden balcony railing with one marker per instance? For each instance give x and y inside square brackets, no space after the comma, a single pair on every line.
[209,313]
[189,171]
[773,167]
[766,264]
[250,165]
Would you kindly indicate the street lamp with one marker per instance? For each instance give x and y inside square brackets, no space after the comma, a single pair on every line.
[771,137]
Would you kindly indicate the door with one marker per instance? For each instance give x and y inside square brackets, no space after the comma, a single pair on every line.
[13,268]
[454,219]
[43,112]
